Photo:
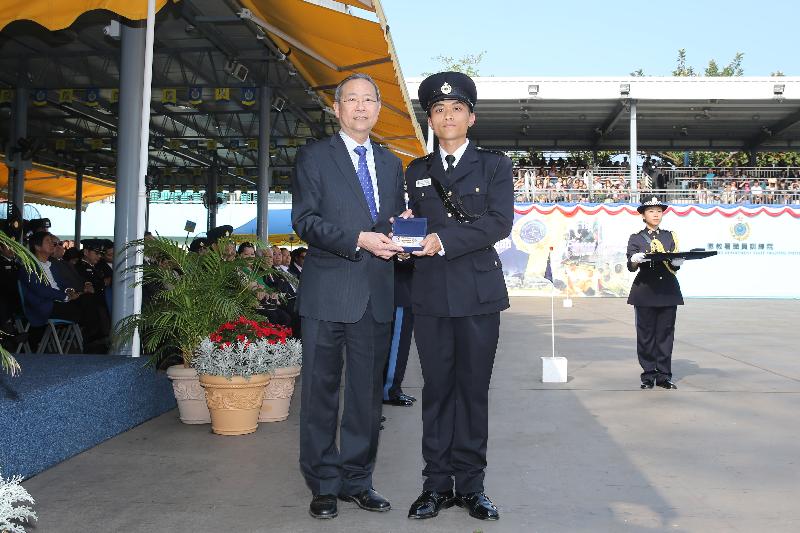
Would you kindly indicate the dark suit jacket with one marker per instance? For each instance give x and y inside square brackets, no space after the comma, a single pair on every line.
[656,284]
[38,296]
[328,212]
[468,279]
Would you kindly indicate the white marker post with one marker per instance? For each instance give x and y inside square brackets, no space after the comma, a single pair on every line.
[554,369]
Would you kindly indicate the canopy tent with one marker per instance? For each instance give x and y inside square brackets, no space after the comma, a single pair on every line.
[58,15]
[52,186]
[280,228]
[326,45]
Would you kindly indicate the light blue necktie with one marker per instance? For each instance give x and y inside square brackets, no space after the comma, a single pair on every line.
[366,181]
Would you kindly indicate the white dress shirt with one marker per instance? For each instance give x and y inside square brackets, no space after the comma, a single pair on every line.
[457,154]
[351,145]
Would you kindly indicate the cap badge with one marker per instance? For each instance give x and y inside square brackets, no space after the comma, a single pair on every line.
[446,89]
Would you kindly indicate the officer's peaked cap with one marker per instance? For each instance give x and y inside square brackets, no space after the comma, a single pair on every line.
[447,86]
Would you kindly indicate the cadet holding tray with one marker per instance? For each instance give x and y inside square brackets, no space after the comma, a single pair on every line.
[655,295]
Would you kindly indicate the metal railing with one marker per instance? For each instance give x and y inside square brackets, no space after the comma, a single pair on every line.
[673,196]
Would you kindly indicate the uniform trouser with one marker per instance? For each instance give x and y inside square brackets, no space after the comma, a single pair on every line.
[457,356]
[348,469]
[655,334]
[402,327]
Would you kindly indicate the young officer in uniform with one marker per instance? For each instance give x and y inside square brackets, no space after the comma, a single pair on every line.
[458,291]
[655,295]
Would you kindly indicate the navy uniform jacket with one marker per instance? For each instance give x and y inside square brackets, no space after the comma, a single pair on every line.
[328,212]
[92,275]
[656,284]
[468,279]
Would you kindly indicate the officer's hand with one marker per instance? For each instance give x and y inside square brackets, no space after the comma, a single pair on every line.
[378,244]
[678,261]
[639,258]
[88,287]
[431,245]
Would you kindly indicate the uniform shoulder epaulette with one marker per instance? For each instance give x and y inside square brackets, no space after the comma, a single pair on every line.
[424,159]
[490,151]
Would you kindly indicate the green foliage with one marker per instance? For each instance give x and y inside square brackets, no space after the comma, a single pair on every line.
[29,263]
[681,69]
[729,159]
[195,294]
[468,64]
[638,73]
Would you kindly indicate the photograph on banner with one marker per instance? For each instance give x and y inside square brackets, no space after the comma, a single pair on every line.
[757,251]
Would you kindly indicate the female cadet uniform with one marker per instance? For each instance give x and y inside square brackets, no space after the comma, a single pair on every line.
[655,295]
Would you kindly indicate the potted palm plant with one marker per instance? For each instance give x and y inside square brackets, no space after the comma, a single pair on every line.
[234,364]
[186,297]
[7,361]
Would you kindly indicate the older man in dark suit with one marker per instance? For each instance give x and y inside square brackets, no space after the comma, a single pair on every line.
[346,192]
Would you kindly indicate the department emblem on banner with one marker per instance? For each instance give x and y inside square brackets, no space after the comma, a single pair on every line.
[740,230]
[6,95]
[248,96]
[195,95]
[114,96]
[92,95]
[39,97]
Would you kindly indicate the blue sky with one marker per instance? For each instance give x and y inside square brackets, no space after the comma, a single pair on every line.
[596,38]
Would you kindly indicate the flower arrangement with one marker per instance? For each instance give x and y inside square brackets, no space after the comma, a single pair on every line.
[245,347]
[12,514]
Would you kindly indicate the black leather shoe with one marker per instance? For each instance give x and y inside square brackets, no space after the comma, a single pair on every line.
[401,401]
[383,418]
[369,500]
[430,503]
[646,384]
[407,396]
[667,384]
[478,505]
[323,506]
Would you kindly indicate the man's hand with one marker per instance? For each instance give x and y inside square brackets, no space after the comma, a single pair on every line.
[431,245]
[88,287]
[639,258]
[405,214]
[378,244]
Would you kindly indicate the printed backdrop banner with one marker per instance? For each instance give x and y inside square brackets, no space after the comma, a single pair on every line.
[758,249]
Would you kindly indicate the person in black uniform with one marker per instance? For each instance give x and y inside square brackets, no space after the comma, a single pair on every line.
[402,327]
[87,266]
[655,295]
[458,291]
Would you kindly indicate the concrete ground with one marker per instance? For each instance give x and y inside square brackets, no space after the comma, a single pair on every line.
[594,454]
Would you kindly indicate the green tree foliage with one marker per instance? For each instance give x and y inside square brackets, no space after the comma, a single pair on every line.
[7,362]
[467,64]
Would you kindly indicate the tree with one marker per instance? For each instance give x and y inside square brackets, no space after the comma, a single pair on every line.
[639,73]
[468,64]
[681,69]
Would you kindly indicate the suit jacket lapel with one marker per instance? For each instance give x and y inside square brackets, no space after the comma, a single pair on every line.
[437,170]
[345,164]
[382,169]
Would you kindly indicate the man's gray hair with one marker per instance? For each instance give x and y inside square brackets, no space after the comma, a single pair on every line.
[355,76]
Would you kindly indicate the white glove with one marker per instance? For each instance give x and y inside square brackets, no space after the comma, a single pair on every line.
[639,258]
[678,261]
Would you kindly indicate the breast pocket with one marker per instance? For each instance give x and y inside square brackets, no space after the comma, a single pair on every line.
[474,203]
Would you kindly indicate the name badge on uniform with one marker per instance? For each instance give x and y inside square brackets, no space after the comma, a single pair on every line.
[424,183]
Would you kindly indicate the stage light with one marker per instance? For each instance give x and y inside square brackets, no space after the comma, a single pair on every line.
[778,88]
[624,89]
[533,90]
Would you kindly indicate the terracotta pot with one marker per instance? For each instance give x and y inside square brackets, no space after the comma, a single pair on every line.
[234,403]
[278,395]
[192,407]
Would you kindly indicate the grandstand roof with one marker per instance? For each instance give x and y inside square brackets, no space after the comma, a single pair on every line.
[742,113]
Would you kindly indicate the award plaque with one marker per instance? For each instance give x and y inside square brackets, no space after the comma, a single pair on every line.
[409,232]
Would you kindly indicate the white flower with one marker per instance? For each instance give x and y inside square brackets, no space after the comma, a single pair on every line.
[13,496]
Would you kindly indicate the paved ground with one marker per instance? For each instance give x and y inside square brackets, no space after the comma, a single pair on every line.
[594,454]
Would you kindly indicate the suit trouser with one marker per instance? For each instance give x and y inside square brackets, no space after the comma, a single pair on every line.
[457,356]
[655,334]
[402,327]
[348,469]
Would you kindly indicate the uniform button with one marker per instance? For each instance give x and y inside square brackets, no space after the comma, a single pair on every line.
[495,263]
[659,277]
[449,215]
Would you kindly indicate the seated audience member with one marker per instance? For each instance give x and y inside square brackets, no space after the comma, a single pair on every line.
[44,298]
[298,256]
[9,293]
[269,298]
[63,264]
